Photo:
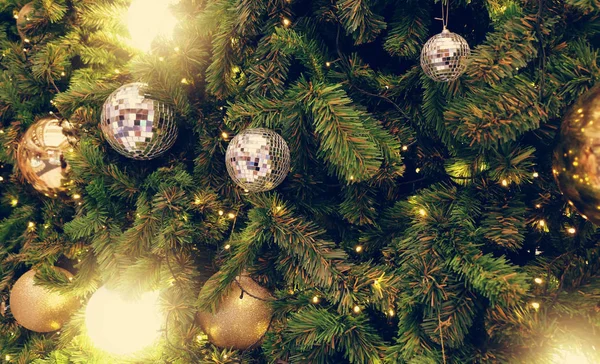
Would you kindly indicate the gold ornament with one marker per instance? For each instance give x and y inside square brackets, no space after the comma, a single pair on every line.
[241,320]
[25,19]
[40,156]
[576,164]
[38,309]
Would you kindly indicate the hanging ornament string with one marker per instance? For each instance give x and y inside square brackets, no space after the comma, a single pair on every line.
[441,337]
[445,13]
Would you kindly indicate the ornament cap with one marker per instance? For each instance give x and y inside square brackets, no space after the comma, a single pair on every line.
[445,31]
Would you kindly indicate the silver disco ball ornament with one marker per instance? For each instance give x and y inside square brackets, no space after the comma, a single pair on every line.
[258,159]
[444,57]
[41,156]
[137,126]
[576,163]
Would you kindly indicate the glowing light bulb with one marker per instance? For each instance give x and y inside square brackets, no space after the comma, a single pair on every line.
[358,248]
[122,326]
[356,309]
[538,280]
[535,305]
[572,230]
[315,299]
[149,19]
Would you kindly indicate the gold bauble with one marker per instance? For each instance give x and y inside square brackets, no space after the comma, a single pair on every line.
[24,19]
[241,320]
[576,165]
[40,156]
[37,308]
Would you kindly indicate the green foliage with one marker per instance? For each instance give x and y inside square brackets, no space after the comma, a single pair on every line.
[409,229]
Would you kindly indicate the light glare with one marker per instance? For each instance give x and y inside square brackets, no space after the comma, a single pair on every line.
[149,19]
[121,326]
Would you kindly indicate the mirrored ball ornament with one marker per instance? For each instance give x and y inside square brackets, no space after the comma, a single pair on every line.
[137,126]
[39,309]
[576,164]
[241,320]
[444,57]
[258,159]
[41,156]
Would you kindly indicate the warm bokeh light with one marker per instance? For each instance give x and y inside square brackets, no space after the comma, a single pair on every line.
[149,19]
[571,357]
[121,326]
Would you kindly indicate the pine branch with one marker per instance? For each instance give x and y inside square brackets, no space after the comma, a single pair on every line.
[359,20]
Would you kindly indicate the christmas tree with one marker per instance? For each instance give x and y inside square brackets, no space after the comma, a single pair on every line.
[285,181]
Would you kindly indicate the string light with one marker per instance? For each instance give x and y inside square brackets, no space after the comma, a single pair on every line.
[225,135]
[504,183]
[356,309]
[7,357]
[422,212]
[221,212]
[286,22]
[227,247]
[14,202]
[538,206]
[391,312]
[76,196]
[231,215]
[542,223]
[1,178]
[404,148]
[538,281]
[316,299]
[185,81]
[418,170]
[358,248]
[572,230]
[535,305]
[327,64]
[536,175]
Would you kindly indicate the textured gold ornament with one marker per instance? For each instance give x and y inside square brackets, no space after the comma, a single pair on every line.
[38,309]
[241,320]
[40,156]
[576,164]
